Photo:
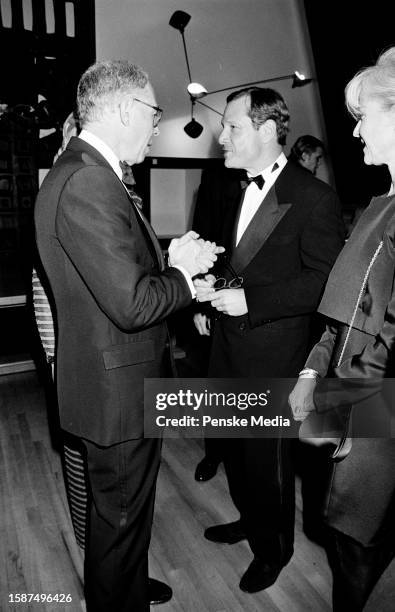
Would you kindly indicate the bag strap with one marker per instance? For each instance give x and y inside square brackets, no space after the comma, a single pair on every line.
[354,314]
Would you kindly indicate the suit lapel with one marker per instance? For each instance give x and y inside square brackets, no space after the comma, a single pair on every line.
[266,218]
[152,238]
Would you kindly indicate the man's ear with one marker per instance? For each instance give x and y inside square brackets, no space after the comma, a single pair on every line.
[268,130]
[126,109]
[305,156]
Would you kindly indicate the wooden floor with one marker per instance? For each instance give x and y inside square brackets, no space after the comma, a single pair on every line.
[37,550]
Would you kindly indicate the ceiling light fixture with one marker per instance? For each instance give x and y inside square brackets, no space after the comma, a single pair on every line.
[179,20]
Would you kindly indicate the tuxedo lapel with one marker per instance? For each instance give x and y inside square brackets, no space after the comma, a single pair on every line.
[266,218]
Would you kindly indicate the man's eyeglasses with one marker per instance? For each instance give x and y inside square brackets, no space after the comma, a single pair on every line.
[158,112]
[236,282]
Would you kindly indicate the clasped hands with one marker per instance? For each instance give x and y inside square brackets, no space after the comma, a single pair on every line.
[193,254]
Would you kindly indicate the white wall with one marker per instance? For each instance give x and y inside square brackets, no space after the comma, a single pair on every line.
[229,42]
[173,195]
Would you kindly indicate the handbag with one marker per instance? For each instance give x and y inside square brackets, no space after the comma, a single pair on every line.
[335,425]
[328,429]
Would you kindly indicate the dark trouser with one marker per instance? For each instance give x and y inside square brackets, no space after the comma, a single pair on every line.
[213,449]
[262,485]
[355,569]
[122,479]
[314,467]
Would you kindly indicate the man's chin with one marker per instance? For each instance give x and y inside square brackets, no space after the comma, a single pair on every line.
[228,162]
[140,158]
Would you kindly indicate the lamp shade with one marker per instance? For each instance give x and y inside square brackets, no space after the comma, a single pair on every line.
[196,90]
[193,129]
[179,20]
[299,79]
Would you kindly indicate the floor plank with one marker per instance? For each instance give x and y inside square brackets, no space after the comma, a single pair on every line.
[38,553]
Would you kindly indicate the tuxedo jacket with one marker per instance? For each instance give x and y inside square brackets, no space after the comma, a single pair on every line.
[284,258]
[360,365]
[112,296]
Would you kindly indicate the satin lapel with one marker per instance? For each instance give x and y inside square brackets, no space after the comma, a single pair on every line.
[266,218]
[153,240]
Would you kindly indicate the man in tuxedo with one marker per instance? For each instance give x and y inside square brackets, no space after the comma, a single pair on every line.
[112,293]
[282,242]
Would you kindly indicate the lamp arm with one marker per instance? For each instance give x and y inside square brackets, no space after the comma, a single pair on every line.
[186,56]
[210,107]
[281,78]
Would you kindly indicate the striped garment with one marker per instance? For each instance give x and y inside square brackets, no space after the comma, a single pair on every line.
[75,471]
[43,316]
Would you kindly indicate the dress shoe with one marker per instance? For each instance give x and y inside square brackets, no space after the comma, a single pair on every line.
[206,469]
[230,533]
[158,592]
[316,533]
[260,575]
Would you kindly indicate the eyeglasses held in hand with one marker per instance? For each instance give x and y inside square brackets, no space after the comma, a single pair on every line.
[234,283]
[158,112]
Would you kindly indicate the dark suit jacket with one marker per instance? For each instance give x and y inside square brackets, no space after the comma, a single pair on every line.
[104,265]
[284,257]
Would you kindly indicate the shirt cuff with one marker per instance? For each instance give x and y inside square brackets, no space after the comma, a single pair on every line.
[187,277]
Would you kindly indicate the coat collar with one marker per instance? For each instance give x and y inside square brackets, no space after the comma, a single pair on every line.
[90,155]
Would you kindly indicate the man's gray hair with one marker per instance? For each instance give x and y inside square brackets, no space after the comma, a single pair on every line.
[102,85]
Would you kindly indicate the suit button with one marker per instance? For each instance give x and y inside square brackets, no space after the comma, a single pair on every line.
[242,326]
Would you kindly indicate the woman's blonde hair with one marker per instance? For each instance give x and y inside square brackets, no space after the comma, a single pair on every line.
[380,79]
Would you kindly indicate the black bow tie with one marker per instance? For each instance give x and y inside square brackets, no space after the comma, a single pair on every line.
[259,180]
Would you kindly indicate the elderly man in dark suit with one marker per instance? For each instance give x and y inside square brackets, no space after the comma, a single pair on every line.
[282,242]
[112,294]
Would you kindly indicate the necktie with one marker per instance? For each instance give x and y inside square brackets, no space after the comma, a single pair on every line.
[129,182]
[137,201]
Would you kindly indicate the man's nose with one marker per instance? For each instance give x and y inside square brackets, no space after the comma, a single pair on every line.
[222,137]
[156,131]
[356,129]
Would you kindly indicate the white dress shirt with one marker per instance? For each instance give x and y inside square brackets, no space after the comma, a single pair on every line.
[109,155]
[254,196]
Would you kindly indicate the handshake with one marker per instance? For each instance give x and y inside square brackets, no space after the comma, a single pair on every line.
[193,254]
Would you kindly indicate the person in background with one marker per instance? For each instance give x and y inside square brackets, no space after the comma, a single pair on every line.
[351,364]
[308,152]
[282,230]
[113,293]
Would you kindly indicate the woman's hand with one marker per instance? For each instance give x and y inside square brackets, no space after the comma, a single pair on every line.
[301,398]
